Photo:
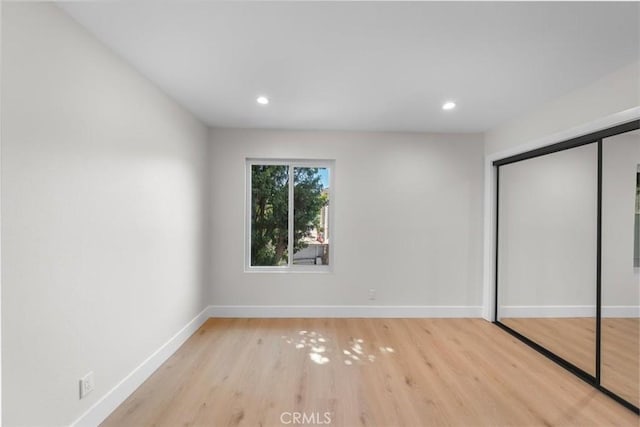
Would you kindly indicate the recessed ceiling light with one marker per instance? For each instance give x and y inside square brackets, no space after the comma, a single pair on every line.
[262,100]
[449,105]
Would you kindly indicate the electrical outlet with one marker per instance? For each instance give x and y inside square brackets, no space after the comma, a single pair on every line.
[87,385]
[372,294]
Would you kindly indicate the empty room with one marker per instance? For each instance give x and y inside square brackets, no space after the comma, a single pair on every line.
[282,213]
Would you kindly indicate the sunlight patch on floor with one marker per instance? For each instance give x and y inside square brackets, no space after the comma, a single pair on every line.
[319,346]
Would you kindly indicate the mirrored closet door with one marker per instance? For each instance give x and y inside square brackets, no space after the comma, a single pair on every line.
[547,252]
[567,270]
[620,327]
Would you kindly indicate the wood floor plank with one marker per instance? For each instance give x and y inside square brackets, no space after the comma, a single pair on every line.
[363,372]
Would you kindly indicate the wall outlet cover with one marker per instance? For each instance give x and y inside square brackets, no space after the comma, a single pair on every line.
[87,384]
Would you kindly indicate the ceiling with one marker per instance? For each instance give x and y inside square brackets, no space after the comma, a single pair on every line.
[382,66]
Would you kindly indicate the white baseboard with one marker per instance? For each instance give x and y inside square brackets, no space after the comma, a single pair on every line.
[100,410]
[621,311]
[361,311]
[626,311]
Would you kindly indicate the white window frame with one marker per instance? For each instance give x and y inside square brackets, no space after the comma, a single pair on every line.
[290,267]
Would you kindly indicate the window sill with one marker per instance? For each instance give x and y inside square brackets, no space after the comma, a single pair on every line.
[318,269]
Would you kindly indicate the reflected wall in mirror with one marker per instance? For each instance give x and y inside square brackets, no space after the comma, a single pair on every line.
[547,252]
[620,346]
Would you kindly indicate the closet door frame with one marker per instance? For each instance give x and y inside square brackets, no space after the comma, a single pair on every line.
[591,138]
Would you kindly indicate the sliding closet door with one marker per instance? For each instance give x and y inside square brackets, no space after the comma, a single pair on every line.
[620,347]
[547,250]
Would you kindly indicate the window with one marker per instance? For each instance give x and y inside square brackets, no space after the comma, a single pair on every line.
[288,215]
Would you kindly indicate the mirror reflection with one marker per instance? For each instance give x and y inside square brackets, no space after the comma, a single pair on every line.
[547,252]
[620,346]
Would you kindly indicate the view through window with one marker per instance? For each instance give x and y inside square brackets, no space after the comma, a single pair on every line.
[289,223]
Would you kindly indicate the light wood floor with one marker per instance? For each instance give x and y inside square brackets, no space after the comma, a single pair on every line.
[364,372]
[574,340]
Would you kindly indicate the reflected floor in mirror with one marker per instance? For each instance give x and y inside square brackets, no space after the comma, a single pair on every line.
[363,372]
[572,338]
[621,357]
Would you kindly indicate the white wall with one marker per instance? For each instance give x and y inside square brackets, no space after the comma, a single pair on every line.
[613,93]
[408,219]
[620,160]
[103,223]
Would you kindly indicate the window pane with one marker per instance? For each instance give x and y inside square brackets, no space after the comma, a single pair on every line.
[311,216]
[269,215]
